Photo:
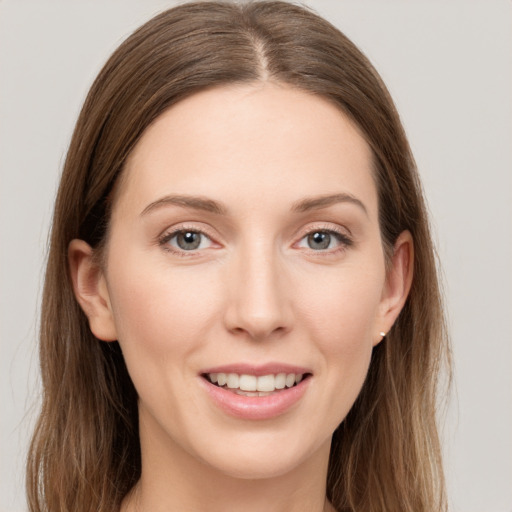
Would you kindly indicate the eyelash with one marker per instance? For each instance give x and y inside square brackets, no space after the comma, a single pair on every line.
[343,239]
[164,240]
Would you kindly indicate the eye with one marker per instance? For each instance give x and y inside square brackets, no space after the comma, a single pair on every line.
[186,240]
[324,240]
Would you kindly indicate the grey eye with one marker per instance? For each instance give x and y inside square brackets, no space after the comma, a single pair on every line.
[185,240]
[319,240]
[188,240]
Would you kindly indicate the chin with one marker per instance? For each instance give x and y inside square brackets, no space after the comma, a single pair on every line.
[256,469]
[257,459]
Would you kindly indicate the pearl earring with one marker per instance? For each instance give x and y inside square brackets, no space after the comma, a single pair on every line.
[383,334]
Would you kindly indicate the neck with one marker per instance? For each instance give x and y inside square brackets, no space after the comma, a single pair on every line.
[173,480]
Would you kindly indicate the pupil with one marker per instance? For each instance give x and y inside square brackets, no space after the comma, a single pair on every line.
[319,240]
[189,240]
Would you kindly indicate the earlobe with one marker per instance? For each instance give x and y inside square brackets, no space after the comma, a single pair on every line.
[398,283]
[90,289]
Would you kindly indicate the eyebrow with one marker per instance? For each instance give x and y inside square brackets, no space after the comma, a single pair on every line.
[211,206]
[193,202]
[317,203]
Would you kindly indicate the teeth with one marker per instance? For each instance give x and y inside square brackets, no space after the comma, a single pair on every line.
[265,383]
[251,393]
[290,380]
[233,380]
[251,385]
[280,380]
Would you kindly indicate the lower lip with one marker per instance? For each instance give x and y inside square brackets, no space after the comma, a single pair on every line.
[256,407]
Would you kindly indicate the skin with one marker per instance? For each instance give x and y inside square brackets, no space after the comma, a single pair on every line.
[253,291]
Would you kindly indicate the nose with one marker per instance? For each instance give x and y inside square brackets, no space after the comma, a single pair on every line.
[259,305]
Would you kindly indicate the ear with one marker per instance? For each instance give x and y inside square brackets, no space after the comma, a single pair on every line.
[91,291]
[398,284]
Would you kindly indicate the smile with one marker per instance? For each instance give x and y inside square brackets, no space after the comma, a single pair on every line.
[256,393]
[252,385]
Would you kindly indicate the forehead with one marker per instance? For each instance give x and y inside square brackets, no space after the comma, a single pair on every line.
[247,141]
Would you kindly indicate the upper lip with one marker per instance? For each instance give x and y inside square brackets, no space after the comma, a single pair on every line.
[257,370]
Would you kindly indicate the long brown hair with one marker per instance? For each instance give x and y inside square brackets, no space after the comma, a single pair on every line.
[85,453]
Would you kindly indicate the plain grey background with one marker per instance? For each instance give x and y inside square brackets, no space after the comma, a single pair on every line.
[449,68]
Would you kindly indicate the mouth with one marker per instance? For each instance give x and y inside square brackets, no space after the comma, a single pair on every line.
[245,384]
[256,392]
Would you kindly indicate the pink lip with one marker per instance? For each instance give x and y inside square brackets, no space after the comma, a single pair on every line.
[255,407]
[258,370]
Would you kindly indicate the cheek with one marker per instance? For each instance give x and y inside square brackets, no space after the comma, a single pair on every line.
[163,320]
[342,308]
[341,317]
[161,314]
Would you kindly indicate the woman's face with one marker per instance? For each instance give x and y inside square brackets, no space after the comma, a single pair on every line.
[245,241]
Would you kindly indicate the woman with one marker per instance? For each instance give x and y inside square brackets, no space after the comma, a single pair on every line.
[251,316]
